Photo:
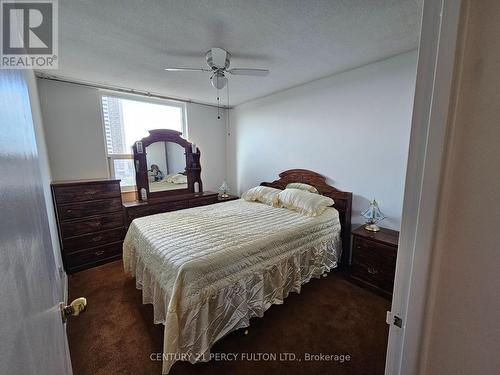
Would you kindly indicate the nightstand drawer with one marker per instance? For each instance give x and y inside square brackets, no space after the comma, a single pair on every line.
[371,252]
[374,275]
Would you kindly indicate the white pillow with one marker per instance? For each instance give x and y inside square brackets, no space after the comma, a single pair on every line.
[170,177]
[301,186]
[303,202]
[264,194]
[179,179]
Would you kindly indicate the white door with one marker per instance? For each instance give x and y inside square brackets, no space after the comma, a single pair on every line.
[32,335]
[438,40]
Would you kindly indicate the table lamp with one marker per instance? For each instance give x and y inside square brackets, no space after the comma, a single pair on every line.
[373,215]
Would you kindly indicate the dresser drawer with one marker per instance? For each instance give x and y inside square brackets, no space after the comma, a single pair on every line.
[134,213]
[95,254]
[89,225]
[203,201]
[70,194]
[92,240]
[78,210]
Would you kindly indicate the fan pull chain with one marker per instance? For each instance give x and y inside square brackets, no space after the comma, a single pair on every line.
[228,125]
[218,105]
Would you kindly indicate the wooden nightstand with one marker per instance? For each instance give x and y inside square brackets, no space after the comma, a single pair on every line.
[374,259]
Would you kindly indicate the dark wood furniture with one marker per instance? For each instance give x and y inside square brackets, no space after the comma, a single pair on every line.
[153,206]
[90,222]
[342,199]
[192,167]
[169,200]
[374,259]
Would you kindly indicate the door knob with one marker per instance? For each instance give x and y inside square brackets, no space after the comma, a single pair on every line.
[74,308]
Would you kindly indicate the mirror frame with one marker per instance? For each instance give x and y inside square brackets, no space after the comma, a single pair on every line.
[193,167]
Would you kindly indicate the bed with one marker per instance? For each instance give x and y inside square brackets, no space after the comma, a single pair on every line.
[208,270]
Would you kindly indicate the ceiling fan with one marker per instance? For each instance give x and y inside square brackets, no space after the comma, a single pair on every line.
[218,60]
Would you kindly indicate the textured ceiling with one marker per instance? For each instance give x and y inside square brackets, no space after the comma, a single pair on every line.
[128,43]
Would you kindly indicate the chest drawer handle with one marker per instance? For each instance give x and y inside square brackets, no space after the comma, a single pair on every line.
[372,271]
[98,238]
[99,253]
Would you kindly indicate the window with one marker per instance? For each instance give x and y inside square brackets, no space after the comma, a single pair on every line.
[128,120]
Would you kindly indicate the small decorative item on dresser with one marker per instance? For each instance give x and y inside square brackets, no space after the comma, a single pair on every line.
[373,261]
[373,215]
[223,190]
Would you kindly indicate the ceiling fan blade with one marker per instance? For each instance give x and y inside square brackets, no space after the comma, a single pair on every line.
[186,70]
[249,72]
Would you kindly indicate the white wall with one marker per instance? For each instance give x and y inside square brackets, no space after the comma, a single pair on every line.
[75,135]
[352,128]
[73,130]
[209,134]
[463,313]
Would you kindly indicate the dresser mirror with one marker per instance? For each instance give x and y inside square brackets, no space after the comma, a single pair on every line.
[166,164]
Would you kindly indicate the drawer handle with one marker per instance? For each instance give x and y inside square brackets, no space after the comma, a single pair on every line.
[98,238]
[99,253]
[372,271]
[90,192]
[68,210]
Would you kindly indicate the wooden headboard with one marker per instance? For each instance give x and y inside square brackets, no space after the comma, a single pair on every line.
[342,199]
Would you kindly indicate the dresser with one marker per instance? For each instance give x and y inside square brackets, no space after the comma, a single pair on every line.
[153,206]
[90,222]
[373,261]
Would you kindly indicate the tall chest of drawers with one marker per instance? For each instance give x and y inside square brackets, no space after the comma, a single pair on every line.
[90,222]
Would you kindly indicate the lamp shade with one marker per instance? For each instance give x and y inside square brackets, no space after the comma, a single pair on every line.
[373,213]
[223,190]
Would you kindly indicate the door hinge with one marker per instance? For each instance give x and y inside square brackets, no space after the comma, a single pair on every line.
[393,319]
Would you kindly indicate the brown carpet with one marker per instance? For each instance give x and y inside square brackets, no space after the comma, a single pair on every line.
[116,334]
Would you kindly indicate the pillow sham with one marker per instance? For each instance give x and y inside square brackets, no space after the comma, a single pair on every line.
[303,202]
[301,186]
[263,194]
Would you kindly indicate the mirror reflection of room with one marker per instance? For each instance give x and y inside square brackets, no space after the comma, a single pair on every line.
[166,166]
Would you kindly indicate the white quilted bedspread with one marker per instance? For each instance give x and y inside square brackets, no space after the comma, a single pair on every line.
[207,270]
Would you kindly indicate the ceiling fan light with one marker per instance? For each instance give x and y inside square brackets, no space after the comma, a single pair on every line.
[219,81]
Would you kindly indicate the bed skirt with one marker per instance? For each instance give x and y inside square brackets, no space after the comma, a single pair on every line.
[191,332]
